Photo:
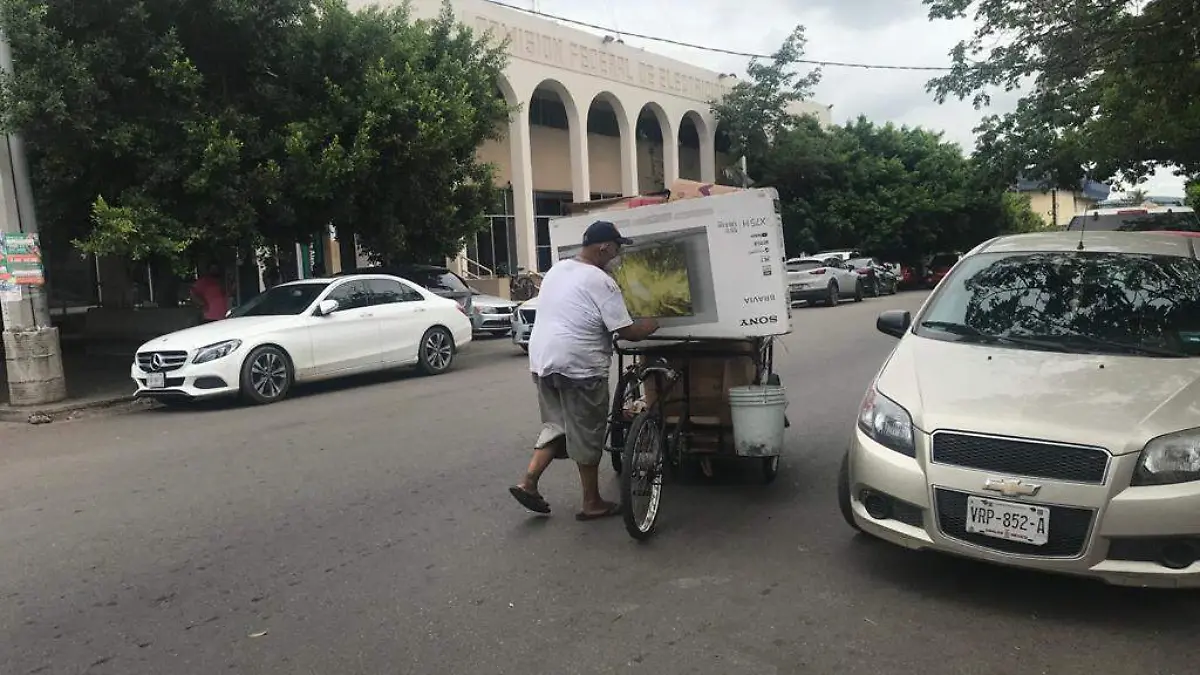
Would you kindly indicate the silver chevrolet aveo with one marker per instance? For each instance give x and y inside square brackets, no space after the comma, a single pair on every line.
[1042,410]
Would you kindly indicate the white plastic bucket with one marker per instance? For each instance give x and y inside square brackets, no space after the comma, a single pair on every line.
[757,413]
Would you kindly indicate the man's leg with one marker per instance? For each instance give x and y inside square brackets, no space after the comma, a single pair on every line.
[589,480]
[587,423]
[550,441]
[542,457]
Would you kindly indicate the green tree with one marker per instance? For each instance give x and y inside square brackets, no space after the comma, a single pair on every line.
[1110,86]
[1192,192]
[898,192]
[159,128]
[759,109]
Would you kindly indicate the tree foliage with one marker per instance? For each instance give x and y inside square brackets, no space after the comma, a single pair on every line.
[900,193]
[897,192]
[1111,85]
[156,127]
[1192,191]
[760,108]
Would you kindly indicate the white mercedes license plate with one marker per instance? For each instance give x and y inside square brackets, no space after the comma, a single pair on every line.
[156,380]
[1008,520]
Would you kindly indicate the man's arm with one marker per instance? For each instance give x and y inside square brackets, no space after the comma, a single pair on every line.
[638,330]
[616,316]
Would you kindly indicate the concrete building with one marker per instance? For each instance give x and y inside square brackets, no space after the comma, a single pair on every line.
[596,118]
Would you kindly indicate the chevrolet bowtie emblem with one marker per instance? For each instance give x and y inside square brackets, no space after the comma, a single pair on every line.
[1011,487]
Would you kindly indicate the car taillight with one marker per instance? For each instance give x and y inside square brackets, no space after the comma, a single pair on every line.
[864,270]
[818,271]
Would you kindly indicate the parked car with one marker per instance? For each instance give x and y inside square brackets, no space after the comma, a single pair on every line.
[879,279]
[843,255]
[823,280]
[491,315]
[938,267]
[303,331]
[910,277]
[1148,217]
[522,323]
[440,280]
[1039,412]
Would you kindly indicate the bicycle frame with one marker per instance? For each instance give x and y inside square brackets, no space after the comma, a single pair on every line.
[667,380]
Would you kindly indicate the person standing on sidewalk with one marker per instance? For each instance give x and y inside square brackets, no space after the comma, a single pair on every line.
[209,293]
[570,356]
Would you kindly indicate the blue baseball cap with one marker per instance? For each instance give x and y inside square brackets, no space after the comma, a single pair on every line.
[603,232]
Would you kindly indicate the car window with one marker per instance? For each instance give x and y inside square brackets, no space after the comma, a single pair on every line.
[442,282]
[350,295]
[1136,222]
[387,291]
[803,265]
[834,262]
[285,300]
[1090,300]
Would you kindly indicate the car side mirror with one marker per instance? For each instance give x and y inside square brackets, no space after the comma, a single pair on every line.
[327,307]
[894,322]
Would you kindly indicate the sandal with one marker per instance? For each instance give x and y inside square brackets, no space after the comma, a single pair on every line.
[530,500]
[612,510]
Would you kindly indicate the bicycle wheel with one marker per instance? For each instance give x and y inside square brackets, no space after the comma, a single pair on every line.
[642,479]
[628,391]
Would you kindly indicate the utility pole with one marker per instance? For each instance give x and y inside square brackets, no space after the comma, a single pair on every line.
[33,359]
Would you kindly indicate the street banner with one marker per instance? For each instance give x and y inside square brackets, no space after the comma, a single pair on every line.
[23,259]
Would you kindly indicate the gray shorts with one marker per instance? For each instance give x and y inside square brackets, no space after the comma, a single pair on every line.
[576,409]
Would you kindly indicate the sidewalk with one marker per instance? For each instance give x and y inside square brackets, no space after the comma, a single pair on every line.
[94,380]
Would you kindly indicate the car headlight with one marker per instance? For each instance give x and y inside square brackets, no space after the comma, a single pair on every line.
[1170,459]
[887,423]
[216,351]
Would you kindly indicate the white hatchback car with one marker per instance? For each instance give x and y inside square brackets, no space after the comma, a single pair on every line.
[304,331]
[1042,410]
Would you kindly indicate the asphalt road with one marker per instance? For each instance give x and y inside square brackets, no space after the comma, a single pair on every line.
[366,528]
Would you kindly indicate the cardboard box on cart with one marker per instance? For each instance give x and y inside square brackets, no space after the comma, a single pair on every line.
[708,263]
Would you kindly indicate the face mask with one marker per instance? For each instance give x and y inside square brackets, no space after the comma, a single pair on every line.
[613,265]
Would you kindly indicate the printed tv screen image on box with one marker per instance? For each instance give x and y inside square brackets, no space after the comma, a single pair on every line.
[654,280]
[666,276]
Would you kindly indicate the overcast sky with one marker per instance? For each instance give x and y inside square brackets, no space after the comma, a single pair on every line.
[895,32]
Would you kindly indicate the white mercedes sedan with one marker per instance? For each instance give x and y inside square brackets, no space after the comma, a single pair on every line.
[304,331]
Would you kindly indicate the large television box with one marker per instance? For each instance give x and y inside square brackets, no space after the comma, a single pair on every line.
[710,267]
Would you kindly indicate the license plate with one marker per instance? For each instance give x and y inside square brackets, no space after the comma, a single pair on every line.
[156,380]
[1011,521]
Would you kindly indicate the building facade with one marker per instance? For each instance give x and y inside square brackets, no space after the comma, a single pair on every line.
[594,118]
[1058,207]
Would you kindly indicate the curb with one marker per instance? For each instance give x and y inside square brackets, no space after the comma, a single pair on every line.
[59,411]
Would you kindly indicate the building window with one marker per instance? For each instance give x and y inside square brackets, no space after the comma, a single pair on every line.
[546,206]
[602,121]
[546,110]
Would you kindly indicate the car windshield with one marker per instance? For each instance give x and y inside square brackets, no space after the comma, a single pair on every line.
[289,299]
[1137,221]
[804,265]
[1081,301]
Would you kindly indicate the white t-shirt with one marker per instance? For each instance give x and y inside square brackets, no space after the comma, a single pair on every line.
[579,308]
